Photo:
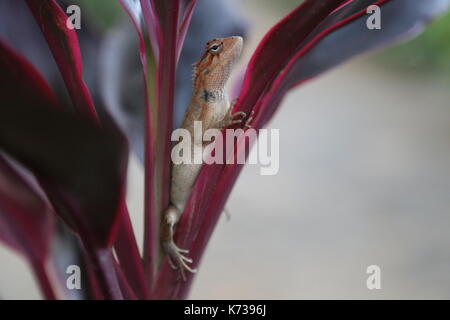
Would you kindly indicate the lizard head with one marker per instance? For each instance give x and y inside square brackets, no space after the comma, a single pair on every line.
[213,69]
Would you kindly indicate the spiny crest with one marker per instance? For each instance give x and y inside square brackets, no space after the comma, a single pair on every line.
[194,72]
[196,65]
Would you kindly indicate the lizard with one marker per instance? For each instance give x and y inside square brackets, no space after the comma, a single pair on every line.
[210,105]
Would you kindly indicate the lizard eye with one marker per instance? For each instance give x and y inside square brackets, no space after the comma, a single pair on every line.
[215,48]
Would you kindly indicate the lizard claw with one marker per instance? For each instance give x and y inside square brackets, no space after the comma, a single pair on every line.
[242,116]
[250,118]
[239,113]
[178,259]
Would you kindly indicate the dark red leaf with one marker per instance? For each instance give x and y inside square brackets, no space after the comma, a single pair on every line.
[25,222]
[82,166]
[343,35]
[263,68]
[150,217]
[129,257]
[128,292]
[168,15]
[63,43]
[279,45]
[401,19]
[25,217]
[152,22]
[270,74]
[187,9]
[167,23]
[134,11]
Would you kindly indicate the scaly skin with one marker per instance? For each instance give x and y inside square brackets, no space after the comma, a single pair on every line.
[209,104]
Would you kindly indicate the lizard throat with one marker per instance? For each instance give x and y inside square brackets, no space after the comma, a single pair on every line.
[212,96]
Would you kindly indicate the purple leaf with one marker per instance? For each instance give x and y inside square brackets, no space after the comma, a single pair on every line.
[82,164]
[173,18]
[129,257]
[63,43]
[153,26]
[279,45]
[400,20]
[134,10]
[167,23]
[120,75]
[17,19]
[25,222]
[275,68]
[343,35]
[187,9]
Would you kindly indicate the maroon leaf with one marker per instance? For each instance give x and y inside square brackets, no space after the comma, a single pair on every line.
[187,9]
[167,23]
[401,19]
[321,51]
[84,164]
[150,217]
[37,87]
[172,16]
[129,257]
[153,27]
[128,292]
[25,222]
[80,165]
[17,19]
[13,68]
[272,71]
[279,45]
[63,43]
[276,48]
[167,13]
[134,11]
[124,97]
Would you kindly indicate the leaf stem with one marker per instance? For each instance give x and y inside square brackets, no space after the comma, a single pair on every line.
[129,257]
[127,291]
[103,267]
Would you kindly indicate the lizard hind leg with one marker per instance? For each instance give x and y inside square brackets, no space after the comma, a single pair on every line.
[176,256]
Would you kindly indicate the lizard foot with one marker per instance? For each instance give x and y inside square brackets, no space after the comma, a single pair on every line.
[178,259]
[228,121]
[242,115]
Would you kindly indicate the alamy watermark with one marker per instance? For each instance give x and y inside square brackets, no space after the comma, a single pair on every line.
[374,279]
[211,147]
[74,17]
[73,281]
[374,20]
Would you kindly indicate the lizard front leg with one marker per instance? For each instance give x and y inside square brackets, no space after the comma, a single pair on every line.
[230,120]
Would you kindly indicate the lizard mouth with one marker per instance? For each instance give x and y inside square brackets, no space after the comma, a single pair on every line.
[236,47]
[238,44]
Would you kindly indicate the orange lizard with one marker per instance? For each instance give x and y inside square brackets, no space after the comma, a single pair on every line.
[210,105]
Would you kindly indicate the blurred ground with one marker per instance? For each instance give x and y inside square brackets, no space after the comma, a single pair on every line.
[364,179]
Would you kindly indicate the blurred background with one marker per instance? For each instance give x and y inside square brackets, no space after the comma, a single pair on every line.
[364,180]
